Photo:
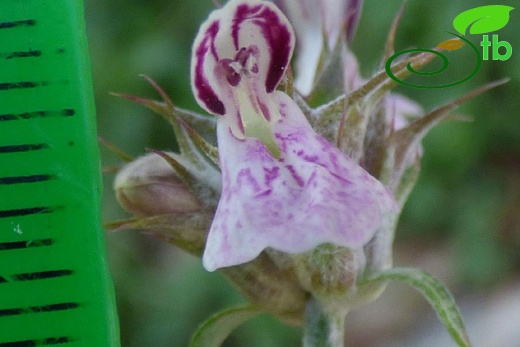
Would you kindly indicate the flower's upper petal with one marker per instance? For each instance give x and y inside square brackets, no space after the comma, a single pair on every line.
[254,25]
[312,194]
[352,17]
[318,24]
[307,24]
[339,16]
[333,15]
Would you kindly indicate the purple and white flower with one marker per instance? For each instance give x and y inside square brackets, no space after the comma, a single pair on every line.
[284,186]
[319,26]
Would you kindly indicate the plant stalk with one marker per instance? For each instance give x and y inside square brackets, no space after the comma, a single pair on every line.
[323,327]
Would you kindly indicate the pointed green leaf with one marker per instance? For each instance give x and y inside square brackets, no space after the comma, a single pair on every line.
[437,295]
[116,150]
[174,160]
[287,83]
[217,328]
[204,125]
[110,169]
[483,19]
[352,130]
[389,46]
[191,144]
[308,112]
[187,231]
[375,149]
[156,106]
[405,140]
[407,181]
[326,118]
[184,145]
[209,151]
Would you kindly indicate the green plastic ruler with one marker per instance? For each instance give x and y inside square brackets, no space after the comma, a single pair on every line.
[54,282]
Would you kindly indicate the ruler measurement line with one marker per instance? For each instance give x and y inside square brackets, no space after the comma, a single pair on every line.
[41,275]
[26,211]
[67,112]
[60,340]
[21,54]
[64,306]
[7,246]
[23,148]
[13,24]
[34,276]
[25,179]
[22,85]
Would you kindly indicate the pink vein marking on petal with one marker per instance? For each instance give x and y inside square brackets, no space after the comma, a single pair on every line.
[345,180]
[246,177]
[260,152]
[333,159]
[204,91]
[294,174]
[312,159]
[271,174]
[264,193]
[275,31]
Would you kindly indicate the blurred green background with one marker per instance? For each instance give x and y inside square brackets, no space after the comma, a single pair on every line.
[462,222]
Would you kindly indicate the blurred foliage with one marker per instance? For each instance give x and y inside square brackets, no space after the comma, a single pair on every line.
[467,198]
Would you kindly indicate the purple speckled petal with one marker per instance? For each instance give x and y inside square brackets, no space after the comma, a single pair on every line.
[254,24]
[311,195]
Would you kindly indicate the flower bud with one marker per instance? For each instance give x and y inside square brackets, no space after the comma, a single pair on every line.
[331,273]
[149,186]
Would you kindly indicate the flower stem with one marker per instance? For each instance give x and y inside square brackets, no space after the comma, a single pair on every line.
[323,328]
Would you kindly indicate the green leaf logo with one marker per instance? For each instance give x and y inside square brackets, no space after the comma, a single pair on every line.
[483,19]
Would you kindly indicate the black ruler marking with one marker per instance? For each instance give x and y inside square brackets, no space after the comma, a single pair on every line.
[59,340]
[22,85]
[26,211]
[34,276]
[21,54]
[17,23]
[41,275]
[64,306]
[24,179]
[37,114]
[7,246]
[23,148]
